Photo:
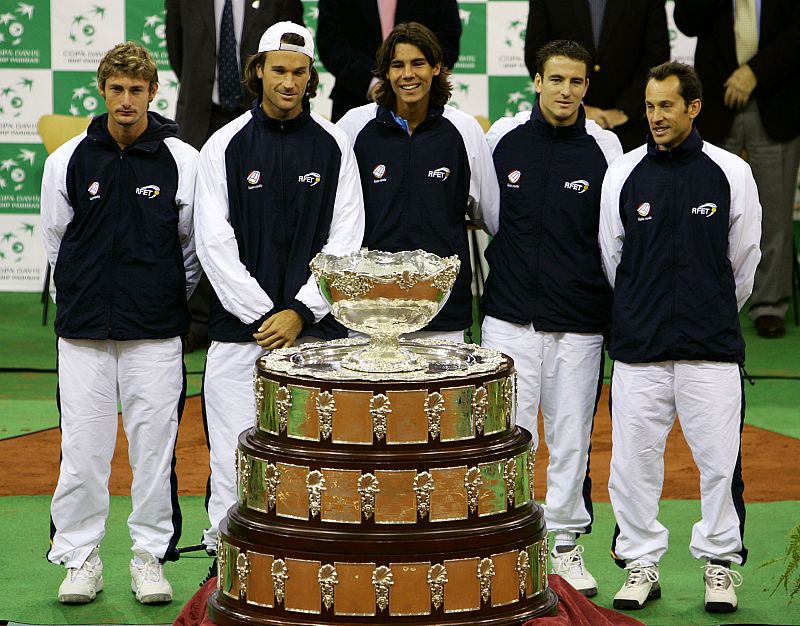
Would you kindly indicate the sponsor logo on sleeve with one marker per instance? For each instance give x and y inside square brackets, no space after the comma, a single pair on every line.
[644,212]
[707,209]
[311,179]
[148,191]
[513,179]
[94,190]
[254,180]
[440,173]
[577,185]
[379,173]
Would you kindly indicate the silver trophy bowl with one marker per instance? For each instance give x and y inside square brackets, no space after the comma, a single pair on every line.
[384,295]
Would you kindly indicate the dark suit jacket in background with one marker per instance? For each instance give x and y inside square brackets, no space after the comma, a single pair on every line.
[192,48]
[775,64]
[349,35]
[633,39]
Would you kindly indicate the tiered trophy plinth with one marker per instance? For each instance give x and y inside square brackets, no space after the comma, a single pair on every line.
[377,498]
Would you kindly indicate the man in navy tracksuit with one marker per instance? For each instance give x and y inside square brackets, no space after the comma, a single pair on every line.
[679,232]
[547,302]
[117,203]
[423,165]
[275,186]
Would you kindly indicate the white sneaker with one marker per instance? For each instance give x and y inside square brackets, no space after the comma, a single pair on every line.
[642,585]
[148,581]
[720,583]
[569,565]
[82,584]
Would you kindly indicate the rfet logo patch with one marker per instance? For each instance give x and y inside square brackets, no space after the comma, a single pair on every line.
[577,185]
[440,173]
[148,191]
[707,209]
[311,179]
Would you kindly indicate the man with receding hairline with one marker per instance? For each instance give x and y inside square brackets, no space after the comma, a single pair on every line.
[679,235]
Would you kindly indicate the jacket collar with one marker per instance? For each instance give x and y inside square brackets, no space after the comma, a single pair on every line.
[385,116]
[686,150]
[541,125]
[158,128]
[282,125]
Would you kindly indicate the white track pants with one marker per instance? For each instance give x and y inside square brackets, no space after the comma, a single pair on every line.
[559,372]
[146,377]
[707,397]
[229,407]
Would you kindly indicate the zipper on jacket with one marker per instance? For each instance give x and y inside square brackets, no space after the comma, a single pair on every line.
[538,224]
[411,186]
[672,255]
[114,241]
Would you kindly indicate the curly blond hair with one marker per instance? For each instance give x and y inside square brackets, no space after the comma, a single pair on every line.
[130,59]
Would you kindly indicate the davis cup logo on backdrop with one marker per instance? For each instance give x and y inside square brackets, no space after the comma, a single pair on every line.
[13,242]
[460,90]
[577,185]
[166,96]
[13,24]
[84,101]
[706,209]
[520,100]
[82,32]
[472,51]
[84,27]
[311,179]
[515,33]
[12,98]
[154,31]
[440,173]
[13,171]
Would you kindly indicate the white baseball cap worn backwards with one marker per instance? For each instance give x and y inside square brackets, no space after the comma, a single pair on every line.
[271,39]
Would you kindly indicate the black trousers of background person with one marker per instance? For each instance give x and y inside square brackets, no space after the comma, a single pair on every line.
[201,298]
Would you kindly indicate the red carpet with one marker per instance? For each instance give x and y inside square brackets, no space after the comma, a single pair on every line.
[573,609]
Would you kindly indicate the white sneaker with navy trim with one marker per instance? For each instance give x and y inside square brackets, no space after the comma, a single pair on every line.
[642,585]
[721,581]
[570,566]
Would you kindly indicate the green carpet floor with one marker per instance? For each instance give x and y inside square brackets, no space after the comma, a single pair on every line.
[28,362]
[29,583]
[28,381]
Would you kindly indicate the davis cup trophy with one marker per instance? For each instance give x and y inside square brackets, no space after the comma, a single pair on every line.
[384,481]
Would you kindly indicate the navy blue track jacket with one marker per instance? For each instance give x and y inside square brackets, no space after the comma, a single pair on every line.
[270,195]
[117,228]
[417,189]
[544,261]
[679,234]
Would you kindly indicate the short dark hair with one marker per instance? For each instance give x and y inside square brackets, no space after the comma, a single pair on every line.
[689,86]
[423,38]
[562,48]
[253,82]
